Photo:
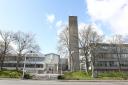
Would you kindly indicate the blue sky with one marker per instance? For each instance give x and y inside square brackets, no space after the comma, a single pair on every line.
[42,17]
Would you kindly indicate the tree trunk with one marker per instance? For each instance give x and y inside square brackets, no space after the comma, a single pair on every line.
[87,65]
[93,64]
[119,63]
[17,64]
[118,58]
[86,61]
[70,63]
[2,62]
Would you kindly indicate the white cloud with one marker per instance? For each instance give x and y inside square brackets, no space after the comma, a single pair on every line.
[97,29]
[124,38]
[61,28]
[113,12]
[59,23]
[14,46]
[94,26]
[82,25]
[51,18]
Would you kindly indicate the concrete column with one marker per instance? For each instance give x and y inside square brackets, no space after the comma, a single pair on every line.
[73,44]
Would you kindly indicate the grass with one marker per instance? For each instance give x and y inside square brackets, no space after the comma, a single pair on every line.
[79,75]
[113,75]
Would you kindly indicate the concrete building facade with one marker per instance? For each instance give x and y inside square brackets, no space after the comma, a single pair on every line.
[110,57]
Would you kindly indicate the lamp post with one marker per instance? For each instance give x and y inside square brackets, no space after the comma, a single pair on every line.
[61,67]
[24,67]
[35,67]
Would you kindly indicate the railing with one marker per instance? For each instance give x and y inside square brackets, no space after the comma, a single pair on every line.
[110,68]
[46,76]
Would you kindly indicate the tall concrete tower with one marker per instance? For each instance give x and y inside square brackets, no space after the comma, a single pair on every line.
[73,44]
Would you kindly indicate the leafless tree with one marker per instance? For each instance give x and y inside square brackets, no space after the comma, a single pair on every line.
[87,37]
[63,44]
[63,41]
[117,40]
[64,48]
[6,39]
[25,43]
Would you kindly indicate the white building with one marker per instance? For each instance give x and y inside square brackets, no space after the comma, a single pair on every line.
[52,63]
[34,63]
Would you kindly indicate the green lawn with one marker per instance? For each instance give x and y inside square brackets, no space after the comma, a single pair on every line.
[113,75]
[81,75]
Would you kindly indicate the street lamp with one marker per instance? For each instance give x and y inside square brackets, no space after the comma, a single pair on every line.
[24,67]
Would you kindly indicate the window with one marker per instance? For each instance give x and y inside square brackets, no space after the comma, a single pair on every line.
[112,63]
[101,63]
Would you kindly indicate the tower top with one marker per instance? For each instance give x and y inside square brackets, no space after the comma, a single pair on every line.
[72,17]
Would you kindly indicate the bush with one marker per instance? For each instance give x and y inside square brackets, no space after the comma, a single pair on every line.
[14,75]
[60,77]
[10,74]
[27,76]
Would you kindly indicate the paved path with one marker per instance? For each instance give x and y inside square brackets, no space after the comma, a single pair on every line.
[39,82]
